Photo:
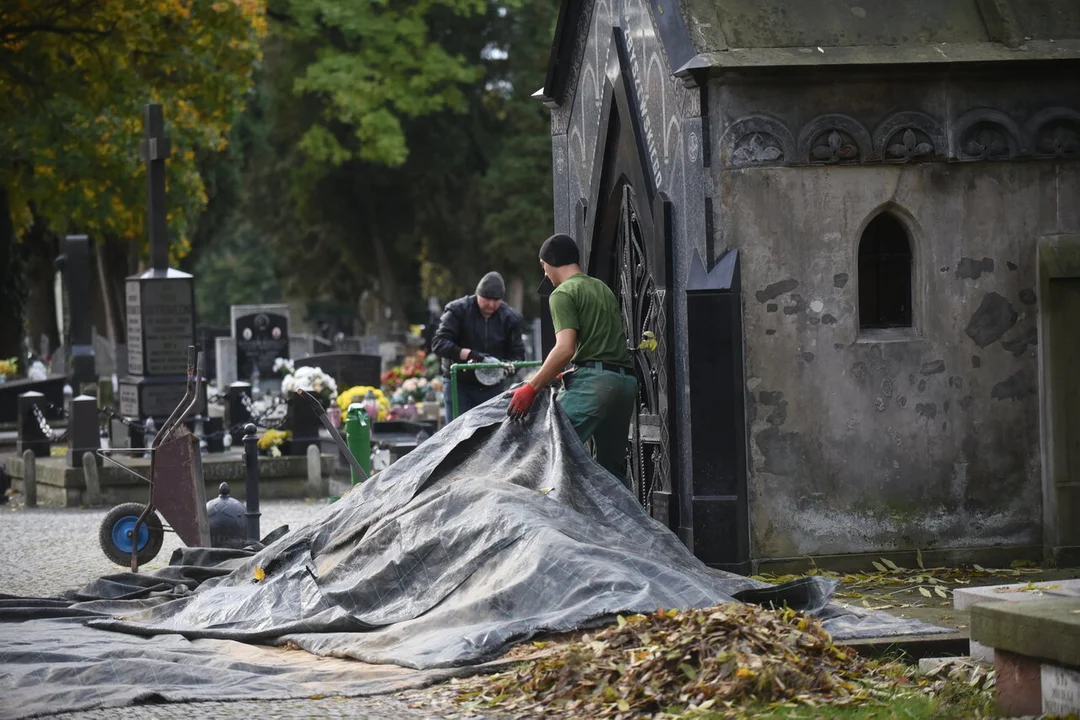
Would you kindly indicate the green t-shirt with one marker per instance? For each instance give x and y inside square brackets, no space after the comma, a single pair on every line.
[587,305]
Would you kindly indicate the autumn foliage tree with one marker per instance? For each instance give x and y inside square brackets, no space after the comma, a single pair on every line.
[74,76]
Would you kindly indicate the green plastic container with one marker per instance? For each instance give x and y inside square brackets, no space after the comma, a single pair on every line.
[358,436]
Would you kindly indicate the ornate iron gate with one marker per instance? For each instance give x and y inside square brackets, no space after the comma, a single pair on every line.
[645,309]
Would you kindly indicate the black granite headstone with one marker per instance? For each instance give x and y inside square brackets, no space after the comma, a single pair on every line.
[261,338]
[160,306]
[347,369]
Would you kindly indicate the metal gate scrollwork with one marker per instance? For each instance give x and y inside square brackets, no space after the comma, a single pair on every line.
[644,312]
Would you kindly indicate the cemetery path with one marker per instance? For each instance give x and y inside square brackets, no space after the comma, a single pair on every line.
[50,550]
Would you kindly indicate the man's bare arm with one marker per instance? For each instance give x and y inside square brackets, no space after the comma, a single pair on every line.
[557,359]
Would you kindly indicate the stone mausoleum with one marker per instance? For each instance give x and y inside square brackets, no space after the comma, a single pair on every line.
[852,228]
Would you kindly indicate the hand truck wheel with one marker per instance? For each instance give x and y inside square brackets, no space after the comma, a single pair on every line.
[117,534]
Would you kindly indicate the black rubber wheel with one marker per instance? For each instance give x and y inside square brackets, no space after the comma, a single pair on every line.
[117,541]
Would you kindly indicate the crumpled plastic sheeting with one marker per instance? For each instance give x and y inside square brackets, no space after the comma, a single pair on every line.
[56,665]
[489,533]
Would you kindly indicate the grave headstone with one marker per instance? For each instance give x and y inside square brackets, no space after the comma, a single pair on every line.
[225,359]
[301,345]
[304,426]
[348,369]
[83,429]
[261,333]
[160,306]
[104,356]
[206,336]
[392,353]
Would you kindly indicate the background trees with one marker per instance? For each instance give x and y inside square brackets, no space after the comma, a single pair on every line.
[74,75]
[348,154]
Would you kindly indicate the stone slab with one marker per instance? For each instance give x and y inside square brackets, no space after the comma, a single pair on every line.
[964,598]
[1047,629]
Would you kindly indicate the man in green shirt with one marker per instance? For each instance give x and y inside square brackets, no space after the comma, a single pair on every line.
[599,393]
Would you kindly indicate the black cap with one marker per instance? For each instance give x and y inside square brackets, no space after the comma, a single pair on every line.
[559,250]
[491,286]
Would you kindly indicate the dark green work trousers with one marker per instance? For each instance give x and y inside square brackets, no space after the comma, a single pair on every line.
[599,404]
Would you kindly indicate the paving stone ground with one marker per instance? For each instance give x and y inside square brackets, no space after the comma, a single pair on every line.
[49,550]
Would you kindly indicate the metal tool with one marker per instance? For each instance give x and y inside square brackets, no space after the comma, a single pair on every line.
[320,412]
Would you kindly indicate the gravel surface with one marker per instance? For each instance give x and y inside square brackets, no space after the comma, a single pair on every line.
[49,550]
[56,549]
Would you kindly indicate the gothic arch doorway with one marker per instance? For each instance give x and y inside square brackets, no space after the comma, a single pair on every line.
[627,244]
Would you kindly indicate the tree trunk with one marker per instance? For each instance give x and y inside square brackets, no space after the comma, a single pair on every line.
[12,283]
[388,289]
[108,309]
[40,250]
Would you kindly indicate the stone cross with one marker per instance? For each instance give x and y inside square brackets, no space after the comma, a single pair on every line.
[154,149]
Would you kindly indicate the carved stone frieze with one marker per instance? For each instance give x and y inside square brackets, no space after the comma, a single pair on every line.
[986,141]
[757,149]
[833,147]
[985,134]
[910,137]
[1058,139]
[904,137]
[834,139]
[1054,133]
[908,144]
[756,140]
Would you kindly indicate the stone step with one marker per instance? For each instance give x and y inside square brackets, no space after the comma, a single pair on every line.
[1036,652]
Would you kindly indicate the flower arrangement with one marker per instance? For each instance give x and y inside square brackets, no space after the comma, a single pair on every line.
[8,368]
[357,394]
[271,440]
[418,365]
[417,389]
[312,380]
[283,366]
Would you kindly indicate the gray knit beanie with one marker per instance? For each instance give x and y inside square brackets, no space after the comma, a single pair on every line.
[491,286]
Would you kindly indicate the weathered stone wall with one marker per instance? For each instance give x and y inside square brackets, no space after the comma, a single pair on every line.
[928,439]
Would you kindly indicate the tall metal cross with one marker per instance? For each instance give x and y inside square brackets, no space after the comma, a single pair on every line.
[154,149]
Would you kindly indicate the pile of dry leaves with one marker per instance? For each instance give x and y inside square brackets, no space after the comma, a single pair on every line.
[726,656]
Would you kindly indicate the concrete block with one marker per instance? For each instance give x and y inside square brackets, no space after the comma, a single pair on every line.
[1047,630]
[964,598]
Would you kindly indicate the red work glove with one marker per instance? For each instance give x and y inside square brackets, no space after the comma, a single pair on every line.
[520,401]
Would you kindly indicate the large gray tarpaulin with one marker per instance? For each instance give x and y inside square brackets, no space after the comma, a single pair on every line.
[489,533]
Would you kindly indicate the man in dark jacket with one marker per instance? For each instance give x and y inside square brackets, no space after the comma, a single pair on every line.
[473,328]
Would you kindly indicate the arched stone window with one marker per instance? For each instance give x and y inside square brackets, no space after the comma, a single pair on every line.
[885,274]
